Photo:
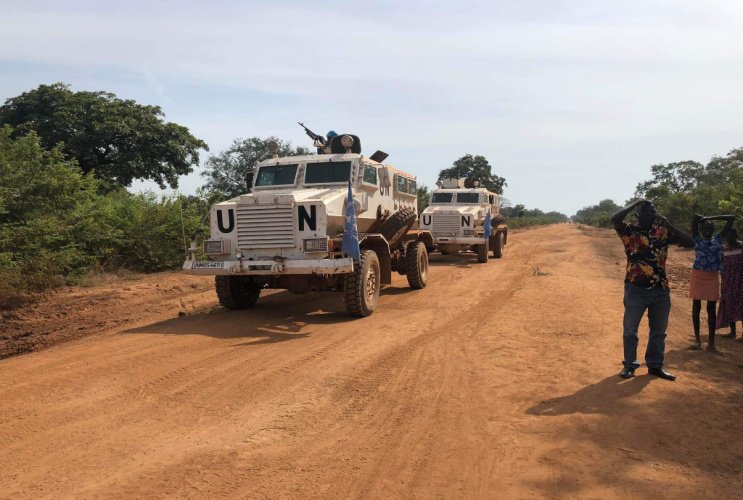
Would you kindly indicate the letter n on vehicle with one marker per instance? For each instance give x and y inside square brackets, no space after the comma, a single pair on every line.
[310,219]
[466,221]
[230,221]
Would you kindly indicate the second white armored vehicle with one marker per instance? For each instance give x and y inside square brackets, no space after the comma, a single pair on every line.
[287,230]
[456,217]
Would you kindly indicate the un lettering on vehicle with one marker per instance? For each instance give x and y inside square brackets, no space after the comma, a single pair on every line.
[225,220]
[311,221]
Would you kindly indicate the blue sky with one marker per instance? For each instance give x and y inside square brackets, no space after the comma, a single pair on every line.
[570,101]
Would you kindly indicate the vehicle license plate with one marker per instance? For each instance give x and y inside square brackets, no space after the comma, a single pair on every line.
[207,265]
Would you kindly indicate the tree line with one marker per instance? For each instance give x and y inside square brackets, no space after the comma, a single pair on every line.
[682,189]
[67,159]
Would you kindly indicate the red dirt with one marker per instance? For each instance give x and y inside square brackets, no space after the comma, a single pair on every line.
[497,380]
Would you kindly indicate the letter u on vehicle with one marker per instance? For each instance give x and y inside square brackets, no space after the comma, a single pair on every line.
[230,221]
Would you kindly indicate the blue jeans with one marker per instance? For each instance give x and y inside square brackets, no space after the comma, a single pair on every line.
[657,302]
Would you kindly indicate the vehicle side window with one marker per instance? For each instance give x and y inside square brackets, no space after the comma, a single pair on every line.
[370,175]
[402,184]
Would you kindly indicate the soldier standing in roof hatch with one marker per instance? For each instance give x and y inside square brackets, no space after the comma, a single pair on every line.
[646,284]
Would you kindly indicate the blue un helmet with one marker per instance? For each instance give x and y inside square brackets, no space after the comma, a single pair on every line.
[332,134]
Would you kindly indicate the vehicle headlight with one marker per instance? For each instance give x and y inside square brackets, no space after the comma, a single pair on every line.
[216,247]
[469,232]
[316,245]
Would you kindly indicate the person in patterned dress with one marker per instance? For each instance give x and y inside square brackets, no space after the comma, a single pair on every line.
[646,283]
[705,274]
[731,299]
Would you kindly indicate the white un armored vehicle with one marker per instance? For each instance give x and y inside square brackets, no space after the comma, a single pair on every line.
[286,231]
[456,216]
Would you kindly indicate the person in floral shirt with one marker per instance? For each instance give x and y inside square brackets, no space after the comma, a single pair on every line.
[646,283]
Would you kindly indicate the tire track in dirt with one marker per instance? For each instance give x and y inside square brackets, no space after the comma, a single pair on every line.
[462,389]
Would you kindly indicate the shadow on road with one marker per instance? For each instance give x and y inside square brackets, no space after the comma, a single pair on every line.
[277,317]
[396,290]
[603,397]
[463,260]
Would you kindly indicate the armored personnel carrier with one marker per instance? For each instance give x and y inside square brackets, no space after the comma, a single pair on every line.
[287,230]
[457,216]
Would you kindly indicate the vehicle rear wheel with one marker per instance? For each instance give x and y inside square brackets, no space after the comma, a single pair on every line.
[482,253]
[416,264]
[236,292]
[498,246]
[361,287]
[394,228]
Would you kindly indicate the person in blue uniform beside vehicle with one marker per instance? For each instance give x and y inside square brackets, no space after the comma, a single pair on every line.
[646,285]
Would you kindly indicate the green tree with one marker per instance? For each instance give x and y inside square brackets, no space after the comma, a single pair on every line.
[117,139]
[52,224]
[682,189]
[678,177]
[597,215]
[476,167]
[154,231]
[225,172]
[520,216]
[424,197]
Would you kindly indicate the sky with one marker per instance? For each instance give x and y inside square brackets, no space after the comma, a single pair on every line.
[570,101]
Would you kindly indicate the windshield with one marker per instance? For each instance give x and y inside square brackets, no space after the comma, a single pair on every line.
[327,172]
[277,175]
[441,197]
[468,197]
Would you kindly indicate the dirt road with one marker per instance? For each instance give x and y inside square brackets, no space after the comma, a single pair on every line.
[497,380]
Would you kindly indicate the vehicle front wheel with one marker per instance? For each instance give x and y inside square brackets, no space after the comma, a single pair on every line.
[236,292]
[361,287]
[416,264]
[498,246]
[482,253]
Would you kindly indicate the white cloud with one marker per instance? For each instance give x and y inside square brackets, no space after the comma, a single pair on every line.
[541,88]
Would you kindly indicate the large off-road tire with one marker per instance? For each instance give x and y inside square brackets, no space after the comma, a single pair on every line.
[482,253]
[498,245]
[394,228]
[361,287]
[416,264]
[236,292]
